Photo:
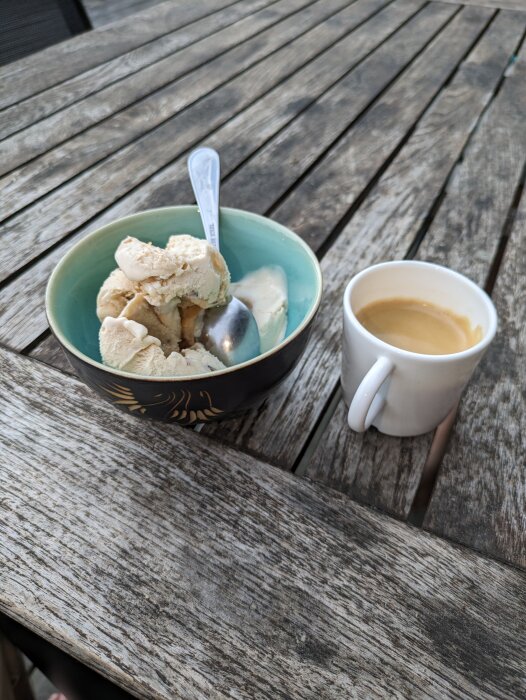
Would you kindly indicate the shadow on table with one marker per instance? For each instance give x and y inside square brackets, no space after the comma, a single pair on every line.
[70,676]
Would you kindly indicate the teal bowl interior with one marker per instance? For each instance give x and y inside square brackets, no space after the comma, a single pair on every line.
[248,241]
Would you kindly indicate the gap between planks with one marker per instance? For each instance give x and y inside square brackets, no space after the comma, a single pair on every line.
[385,88]
[180,179]
[37,108]
[515,5]
[131,92]
[131,191]
[25,78]
[27,185]
[351,603]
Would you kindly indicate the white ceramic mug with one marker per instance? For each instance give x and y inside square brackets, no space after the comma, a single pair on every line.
[400,392]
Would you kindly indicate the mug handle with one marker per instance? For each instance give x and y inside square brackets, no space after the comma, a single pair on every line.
[366,403]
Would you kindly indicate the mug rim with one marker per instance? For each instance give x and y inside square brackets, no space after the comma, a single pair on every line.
[54,326]
[409,354]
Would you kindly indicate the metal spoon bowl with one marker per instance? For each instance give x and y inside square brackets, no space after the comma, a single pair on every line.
[229,332]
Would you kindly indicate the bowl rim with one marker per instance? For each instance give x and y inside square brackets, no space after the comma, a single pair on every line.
[63,262]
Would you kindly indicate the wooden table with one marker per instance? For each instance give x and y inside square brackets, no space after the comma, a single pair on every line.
[102,12]
[236,561]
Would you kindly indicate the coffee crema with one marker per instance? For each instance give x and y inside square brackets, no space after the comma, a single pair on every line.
[419,326]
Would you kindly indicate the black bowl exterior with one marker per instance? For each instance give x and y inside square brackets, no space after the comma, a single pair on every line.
[207,398]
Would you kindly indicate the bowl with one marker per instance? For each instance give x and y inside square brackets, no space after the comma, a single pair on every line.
[248,241]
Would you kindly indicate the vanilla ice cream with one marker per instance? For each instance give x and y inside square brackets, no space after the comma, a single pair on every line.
[114,294]
[264,291]
[126,345]
[163,322]
[152,307]
[188,270]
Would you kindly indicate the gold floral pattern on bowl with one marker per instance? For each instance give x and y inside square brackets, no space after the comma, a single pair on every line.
[177,404]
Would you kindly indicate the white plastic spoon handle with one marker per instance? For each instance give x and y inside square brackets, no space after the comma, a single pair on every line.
[204,169]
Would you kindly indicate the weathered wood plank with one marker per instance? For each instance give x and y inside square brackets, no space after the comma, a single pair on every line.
[465,232]
[50,352]
[101,185]
[239,136]
[259,184]
[246,582]
[480,494]
[383,227]
[386,471]
[168,140]
[47,102]
[374,469]
[22,316]
[495,4]
[26,77]
[148,97]
[350,162]
[102,12]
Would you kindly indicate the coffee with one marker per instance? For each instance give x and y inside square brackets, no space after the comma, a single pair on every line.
[419,326]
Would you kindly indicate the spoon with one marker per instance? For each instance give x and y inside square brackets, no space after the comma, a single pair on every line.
[229,332]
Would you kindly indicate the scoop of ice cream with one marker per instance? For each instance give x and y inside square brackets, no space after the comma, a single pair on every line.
[163,322]
[126,345]
[139,260]
[199,360]
[187,270]
[114,294]
[121,340]
[264,291]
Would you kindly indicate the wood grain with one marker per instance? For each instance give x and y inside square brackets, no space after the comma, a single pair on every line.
[383,227]
[386,471]
[195,573]
[44,103]
[480,493]
[496,4]
[375,138]
[101,185]
[259,184]
[371,468]
[170,84]
[101,12]
[236,140]
[23,78]
[465,232]
[50,352]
